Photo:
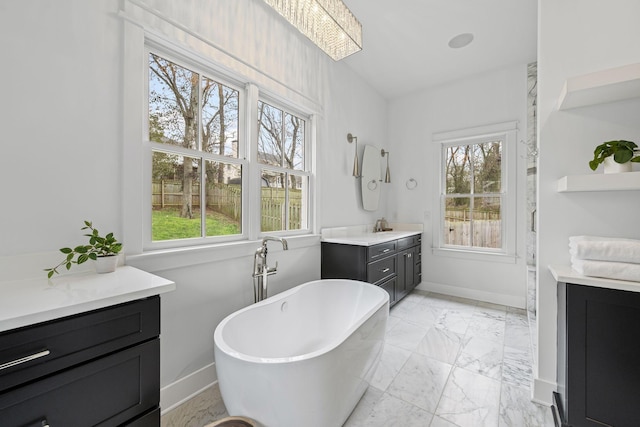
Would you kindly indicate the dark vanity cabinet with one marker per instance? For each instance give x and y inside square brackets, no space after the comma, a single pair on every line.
[395,266]
[98,368]
[598,357]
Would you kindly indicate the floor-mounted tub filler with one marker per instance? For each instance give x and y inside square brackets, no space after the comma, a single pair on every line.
[303,357]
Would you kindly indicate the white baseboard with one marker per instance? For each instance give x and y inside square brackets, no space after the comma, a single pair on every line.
[456,291]
[178,392]
[543,391]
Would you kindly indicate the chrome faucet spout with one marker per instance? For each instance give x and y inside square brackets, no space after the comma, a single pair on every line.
[265,239]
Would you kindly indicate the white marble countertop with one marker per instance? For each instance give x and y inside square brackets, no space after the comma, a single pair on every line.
[565,274]
[363,235]
[27,302]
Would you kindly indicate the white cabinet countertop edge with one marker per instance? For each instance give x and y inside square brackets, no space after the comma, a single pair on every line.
[565,274]
[27,302]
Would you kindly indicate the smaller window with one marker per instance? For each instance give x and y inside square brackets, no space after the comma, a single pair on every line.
[284,198]
[473,199]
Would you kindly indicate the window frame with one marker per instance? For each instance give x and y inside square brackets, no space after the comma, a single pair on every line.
[248,94]
[306,171]
[507,133]
[198,153]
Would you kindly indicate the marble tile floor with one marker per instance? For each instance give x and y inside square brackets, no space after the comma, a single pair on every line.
[447,362]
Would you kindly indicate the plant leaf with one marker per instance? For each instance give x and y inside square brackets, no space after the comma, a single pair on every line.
[623,156]
[66,250]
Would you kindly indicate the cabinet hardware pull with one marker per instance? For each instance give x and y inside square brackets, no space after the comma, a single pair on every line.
[386,250]
[25,359]
[385,270]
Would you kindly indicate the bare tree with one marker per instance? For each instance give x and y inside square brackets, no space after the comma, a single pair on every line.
[176,94]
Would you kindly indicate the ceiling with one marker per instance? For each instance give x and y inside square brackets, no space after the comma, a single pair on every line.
[405,42]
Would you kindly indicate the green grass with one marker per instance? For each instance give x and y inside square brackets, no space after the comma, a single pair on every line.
[167,224]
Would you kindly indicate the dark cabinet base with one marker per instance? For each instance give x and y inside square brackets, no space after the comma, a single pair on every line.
[598,357]
[106,392]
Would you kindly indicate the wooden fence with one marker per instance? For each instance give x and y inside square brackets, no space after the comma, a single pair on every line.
[486,233]
[487,228]
[227,199]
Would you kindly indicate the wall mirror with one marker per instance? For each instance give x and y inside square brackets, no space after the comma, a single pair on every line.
[370,178]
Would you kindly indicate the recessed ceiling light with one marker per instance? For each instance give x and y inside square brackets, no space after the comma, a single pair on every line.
[461,40]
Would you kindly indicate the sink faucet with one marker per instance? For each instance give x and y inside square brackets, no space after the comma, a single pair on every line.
[260,268]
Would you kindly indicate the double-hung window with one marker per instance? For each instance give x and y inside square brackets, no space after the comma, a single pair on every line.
[283,169]
[477,201]
[197,160]
[207,166]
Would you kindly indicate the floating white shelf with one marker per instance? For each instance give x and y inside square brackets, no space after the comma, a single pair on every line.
[600,182]
[614,84]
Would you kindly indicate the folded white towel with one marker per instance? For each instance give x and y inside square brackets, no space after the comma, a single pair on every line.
[605,249]
[607,269]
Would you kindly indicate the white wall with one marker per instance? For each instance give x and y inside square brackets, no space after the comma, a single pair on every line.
[488,98]
[578,37]
[62,90]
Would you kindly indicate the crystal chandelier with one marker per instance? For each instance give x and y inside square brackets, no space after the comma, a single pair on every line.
[327,23]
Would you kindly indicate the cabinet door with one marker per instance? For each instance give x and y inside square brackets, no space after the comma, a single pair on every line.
[105,392]
[406,268]
[603,357]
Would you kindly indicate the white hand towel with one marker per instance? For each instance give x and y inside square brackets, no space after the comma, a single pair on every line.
[605,249]
[607,269]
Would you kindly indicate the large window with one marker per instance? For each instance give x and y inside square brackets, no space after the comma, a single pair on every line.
[205,162]
[472,197]
[285,183]
[196,174]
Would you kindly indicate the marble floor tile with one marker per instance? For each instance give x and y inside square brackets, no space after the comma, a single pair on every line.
[517,335]
[203,409]
[517,367]
[392,360]
[391,411]
[517,409]
[441,422]
[454,320]
[423,315]
[405,335]
[470,399]
[481,356]
[440,344]
[489,328]
[400,310]
[420,381]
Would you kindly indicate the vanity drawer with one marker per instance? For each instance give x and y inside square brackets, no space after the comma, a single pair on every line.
[383,249]
[382,269]
[35,351]
[105,392]
[408,242]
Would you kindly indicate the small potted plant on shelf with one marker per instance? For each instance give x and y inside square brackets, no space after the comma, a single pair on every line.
[616,156]
[103,250]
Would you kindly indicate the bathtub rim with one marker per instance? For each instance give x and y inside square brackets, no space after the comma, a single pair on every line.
[221,345]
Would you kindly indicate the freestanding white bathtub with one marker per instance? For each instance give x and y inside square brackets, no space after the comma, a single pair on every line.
[303,357]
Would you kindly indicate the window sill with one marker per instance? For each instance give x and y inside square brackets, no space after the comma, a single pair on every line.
[168,259]
[475,255]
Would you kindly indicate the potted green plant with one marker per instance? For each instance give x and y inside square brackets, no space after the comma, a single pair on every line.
[104,250]
[620,152]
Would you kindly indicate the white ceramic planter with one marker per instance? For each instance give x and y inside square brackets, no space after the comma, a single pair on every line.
[611,166]
[106,264]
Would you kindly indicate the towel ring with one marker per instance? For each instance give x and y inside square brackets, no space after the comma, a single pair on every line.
[411,183]
[372,185]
